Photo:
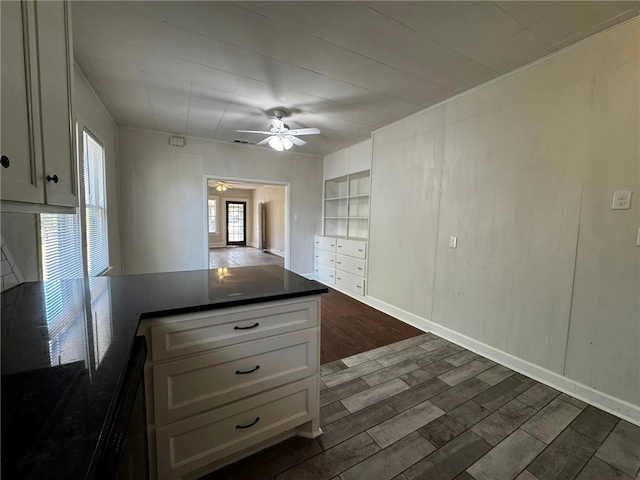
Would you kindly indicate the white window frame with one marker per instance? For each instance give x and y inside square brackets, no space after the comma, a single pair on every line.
[81,129]
[215,199]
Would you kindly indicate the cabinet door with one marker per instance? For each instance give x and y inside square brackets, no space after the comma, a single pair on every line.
[22,175]
[360,156]
[54,36]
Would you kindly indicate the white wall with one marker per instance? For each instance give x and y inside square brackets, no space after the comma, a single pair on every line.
[91,113]
[522,170]
[234,194]
[162,197]
[273,197]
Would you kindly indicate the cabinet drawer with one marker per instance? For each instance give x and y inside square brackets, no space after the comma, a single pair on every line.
[199,383]
[198,441]
[350,282]
[325,243]
[326,258]
[353,248]
[325,274]
[351,265]
[192,333]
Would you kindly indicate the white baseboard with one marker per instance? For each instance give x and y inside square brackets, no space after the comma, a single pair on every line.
[309,276]
[279,253]
[608,403]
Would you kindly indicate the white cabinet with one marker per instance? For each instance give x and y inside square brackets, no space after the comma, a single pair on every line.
[38,158]
[353,248]
[222,382]
[346,269]
[360,156]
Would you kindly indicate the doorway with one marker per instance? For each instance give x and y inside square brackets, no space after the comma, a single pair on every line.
[236,223]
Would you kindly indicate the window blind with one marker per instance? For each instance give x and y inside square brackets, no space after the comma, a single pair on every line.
[61,250]
[95,206]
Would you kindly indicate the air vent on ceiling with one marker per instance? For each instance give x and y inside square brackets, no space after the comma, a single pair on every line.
[244,142]
[176,141]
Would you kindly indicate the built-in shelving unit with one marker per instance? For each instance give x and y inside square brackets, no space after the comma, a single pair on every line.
[346,206]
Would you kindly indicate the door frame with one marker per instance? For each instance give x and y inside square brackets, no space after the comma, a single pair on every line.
[244,222]
[287,212]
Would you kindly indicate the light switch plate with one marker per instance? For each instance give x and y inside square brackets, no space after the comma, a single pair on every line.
[621,200]
[453,242]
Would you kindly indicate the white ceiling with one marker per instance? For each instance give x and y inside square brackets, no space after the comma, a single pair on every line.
[209,68]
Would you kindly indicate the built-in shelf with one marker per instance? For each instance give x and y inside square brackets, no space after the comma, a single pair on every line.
[346,206]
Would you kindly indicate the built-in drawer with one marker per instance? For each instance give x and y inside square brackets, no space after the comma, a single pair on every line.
[350,282]
[351,265]
[326,258]
[193,443]
[353,248]
[180,335]
[198,383]
[325,274]
[325,243]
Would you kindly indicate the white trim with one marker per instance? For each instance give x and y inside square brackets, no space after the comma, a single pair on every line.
[616,406]
[279,253]
[590,395]
[309,276]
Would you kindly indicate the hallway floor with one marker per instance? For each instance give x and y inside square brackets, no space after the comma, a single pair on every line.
[242,257]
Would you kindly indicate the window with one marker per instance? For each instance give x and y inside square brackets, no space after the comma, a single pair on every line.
[61,246]
[95,206]
[213,215]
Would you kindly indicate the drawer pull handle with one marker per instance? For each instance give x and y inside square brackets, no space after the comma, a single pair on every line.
[360,250]
[339,278]
[358,286]
[240,372]
[246,328]
[339,263]
[334,245]
[331,276]
[339,246]
[250,425]
[359,268]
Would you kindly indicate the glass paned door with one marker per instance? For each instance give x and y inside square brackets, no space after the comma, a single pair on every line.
[237,223]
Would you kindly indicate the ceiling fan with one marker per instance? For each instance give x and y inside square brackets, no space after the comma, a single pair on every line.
[281,138]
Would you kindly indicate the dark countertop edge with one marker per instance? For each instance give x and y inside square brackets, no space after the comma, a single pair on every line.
[233,303]
[106,426]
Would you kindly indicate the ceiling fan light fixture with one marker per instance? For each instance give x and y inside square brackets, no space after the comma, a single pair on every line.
[276,143]
[286,143]
[222,186]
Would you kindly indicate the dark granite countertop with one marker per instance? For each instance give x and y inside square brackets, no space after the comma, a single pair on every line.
[66,344]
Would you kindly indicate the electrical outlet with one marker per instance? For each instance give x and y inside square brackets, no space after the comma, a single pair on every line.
[453,242]
[621,200]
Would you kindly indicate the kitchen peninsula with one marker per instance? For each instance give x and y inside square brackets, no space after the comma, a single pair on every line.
[235,349]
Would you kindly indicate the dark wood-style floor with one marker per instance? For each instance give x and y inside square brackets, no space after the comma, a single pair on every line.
[406,405]
[350,327]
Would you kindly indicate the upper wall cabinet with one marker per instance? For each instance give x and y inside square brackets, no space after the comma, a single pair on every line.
[353,159]
[37,141]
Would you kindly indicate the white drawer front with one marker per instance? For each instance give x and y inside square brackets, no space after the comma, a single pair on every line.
[326,258]
[326,274]
[353,248]
[325,243]
[193,333]
[199,383]
[351,265]
[198,441]
[350,282]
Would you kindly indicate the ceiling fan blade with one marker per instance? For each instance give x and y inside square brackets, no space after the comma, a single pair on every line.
[254,131]
[265,141]
[296,141]
[305,131]
[276,123]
